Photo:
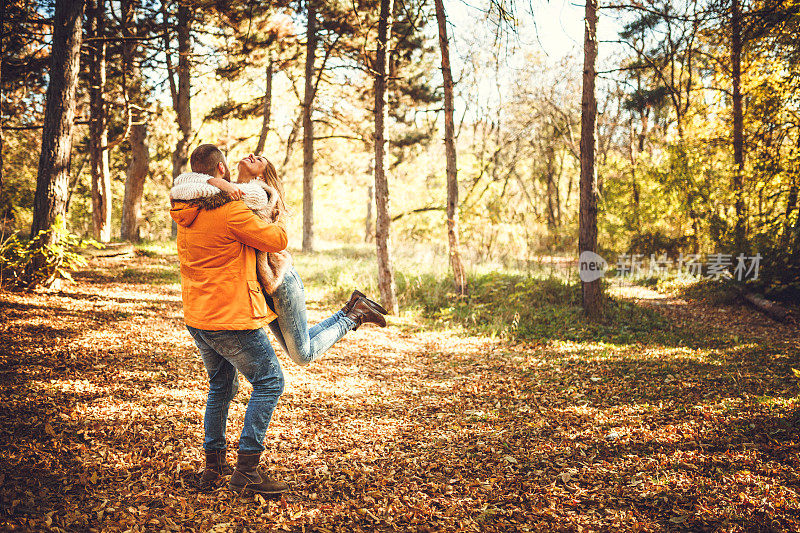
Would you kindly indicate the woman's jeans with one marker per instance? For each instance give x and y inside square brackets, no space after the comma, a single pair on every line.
[303,344]
[249,352]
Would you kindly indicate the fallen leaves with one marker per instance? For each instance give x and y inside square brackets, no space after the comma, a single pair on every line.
[432,430]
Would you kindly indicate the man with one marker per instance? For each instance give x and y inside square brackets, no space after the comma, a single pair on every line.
[224,310]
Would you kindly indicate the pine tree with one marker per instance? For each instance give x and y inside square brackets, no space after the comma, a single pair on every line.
[587,238]
[53,174]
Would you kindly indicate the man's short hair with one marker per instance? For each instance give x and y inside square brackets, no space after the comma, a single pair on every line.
[205,159]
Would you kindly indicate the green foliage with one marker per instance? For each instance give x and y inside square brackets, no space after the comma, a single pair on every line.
[50,255]
[531,308]
[664,136]
[642,99]
[779,275]
[540,305]
[655,242]
[710,291]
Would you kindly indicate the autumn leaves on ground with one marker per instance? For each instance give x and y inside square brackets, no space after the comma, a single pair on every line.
[415,427]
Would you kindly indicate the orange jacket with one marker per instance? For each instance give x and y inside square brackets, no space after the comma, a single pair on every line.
[216,248]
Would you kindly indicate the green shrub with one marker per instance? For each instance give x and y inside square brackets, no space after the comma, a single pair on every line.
[656,243]
[58,260]
[540,305]
[530,308]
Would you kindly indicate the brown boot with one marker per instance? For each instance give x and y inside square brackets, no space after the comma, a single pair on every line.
[364,313]
[354,298]
[216,468]
[248,477]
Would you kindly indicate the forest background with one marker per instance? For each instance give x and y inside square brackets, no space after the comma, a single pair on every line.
[490,405]
[698,132]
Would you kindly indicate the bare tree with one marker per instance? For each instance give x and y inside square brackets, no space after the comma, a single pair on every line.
[267,107]
[140,157]
[181,99]
[52,181]
[738,124]
[456,265]
[308,130]
[587,231]
[666,43]
[98,127]
[382,234]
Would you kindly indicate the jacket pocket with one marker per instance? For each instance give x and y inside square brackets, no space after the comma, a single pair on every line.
[257,303]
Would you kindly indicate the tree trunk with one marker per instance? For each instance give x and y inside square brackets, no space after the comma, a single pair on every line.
[262,139]
[308,131]
[138,165]
[791,203]
[738,126]
[292,139]
[382,236]
[634,150]
[369,231]
[134,183]
[98,129]
[552,188]
[3,212]
[52,180]
[180,157]
[587,237]
[795,253]
[456,265]
[793,231]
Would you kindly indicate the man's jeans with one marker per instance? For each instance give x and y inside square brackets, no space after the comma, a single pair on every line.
[249,352]
[303,344]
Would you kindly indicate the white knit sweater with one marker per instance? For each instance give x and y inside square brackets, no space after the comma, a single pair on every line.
[261,199]
[258,196]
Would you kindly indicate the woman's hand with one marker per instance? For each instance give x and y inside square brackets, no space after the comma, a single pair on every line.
[233,191]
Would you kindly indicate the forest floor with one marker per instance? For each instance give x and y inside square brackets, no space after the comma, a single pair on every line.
[415,427]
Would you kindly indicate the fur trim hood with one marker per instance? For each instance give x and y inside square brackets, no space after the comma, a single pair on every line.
[193,189]
[210,202]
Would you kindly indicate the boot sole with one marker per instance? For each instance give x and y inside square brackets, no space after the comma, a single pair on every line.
[250,490]
[381,324]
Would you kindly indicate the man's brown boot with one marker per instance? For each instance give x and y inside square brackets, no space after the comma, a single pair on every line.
[216,468]
[354,298]
[248,477]
[364,313]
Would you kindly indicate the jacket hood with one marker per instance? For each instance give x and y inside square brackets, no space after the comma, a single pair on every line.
[184,213]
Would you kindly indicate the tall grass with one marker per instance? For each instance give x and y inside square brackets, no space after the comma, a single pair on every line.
[536,304]
[157,248]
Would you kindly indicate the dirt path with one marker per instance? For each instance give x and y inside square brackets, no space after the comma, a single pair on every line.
[407,428]
[737,320]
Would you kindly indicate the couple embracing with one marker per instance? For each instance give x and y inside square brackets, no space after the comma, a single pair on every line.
[237,277]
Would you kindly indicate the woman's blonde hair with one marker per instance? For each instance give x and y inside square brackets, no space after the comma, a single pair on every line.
[271,178]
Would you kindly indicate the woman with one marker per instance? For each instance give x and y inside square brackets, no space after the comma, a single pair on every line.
[262,190]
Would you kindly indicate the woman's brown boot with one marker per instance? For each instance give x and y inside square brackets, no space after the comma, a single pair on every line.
[362,312]
[216,468]
[354,298]
[248,477]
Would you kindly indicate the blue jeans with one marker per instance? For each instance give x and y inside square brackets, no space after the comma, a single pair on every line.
[249,352]
[303,344]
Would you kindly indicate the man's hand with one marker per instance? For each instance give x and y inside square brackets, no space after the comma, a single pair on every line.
[233,191]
